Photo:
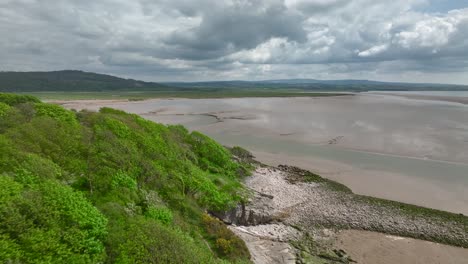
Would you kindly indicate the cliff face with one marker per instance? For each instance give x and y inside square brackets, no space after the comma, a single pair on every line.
[111,187]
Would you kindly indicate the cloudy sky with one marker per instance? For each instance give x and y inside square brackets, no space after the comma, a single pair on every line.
[188,40]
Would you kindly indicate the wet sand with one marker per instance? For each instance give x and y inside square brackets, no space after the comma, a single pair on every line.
[377,248]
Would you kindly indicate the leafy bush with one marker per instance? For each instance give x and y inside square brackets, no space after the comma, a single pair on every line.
[118,128]
[163,215]
[48,222]
[121,179]
[226,242]
[14,99]
[4,108]
[56,112]
[212,156]
[151,242]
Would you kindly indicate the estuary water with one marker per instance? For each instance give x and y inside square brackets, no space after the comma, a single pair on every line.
[385,145]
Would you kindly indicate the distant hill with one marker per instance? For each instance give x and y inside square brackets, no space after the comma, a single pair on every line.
[321,85]
[79,81]
[69,81]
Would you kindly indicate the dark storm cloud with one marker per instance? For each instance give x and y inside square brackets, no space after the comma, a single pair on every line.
[243,25]
[237,39]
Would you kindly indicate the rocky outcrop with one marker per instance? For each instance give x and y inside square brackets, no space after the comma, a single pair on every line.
[258,210]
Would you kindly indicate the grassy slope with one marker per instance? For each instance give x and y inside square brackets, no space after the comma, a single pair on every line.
[111,187]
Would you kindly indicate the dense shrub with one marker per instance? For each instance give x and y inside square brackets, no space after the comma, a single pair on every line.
[13,99]
[227,243]
[147,241]
[56,112]
[163,215]
[4,108]
[48,222]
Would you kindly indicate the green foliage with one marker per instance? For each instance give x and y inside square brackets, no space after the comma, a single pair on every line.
[108,187]
[211,155]
[4,108]
[56,112]
[118,128]
[226,243]
[151,242]
[13,99]
[121,179]
[68,81]
[163,215]
[48,222]
[94,84]
[107,110]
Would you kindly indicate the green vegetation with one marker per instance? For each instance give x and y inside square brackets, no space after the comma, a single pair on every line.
[111,187]
[69,81]
[227,243]
[79,82]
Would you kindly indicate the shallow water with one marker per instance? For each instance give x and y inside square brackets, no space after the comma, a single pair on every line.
[426,141]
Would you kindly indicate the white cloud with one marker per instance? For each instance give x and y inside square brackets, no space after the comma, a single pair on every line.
[236,39]
[433,31]
[373,51]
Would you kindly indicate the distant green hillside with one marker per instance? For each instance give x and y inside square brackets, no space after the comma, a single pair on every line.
[69,81]
[111,187]
[79,81]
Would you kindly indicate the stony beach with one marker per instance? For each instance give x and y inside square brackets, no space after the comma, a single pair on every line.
[286,213]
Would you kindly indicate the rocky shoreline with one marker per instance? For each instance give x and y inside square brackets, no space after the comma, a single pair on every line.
[293,216]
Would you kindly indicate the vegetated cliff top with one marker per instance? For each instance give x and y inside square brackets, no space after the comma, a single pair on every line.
[111,187]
